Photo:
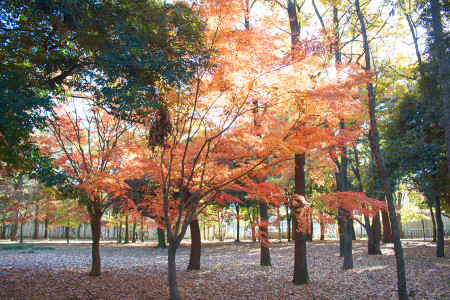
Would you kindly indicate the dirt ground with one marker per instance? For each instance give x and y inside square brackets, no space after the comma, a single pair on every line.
[54,270]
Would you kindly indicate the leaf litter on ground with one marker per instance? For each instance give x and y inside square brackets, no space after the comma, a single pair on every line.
[229,270]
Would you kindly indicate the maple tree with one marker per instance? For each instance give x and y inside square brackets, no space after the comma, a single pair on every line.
[90,149]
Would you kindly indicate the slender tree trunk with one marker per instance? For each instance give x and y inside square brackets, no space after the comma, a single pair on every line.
[142,229]
[196,246]
[300,263]
[237,223]
[96,229]
[253,232]
[280,237]
[134,236]
[127,231]
[288,221]
[220,226]
[341,230]
[173,286]
[440,229]
[387,232]
[3,234]
[322,228]
[119,234]
[46,228]
[401,275]
[161,238]
[67,233]
[434,224]
[399,216]
[13,237]
[264,234]
[309,234]
[423,230]
[21,232]
[444,71]
[36,224]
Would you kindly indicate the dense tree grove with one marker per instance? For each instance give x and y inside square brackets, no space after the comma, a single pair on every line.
[184,115]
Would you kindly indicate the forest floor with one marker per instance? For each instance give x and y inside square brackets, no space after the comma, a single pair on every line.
[54,270]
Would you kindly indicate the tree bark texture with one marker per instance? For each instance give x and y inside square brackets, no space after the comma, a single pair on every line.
[440,229]
[300,263]
[36,224]
[237,223]
[444,71]
[348,253]
[127,231]
[173,286]
[196,246]
[3,234]
[96,233]
[264,232]
[434,225]
[288,220]
[387,232]
[134,235]
[161,238]
[46,228]
[401,275]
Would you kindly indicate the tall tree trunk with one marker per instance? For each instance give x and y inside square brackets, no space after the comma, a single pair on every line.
[300,263]
[434,224]
[119,234]
[253,232]
[161,238]
[376,230]
[173,286]
[444,71]
[36,224]
[3,234]
[373,245]
[440,229]
[237,223]
[96,229]
[134,236]
[288,221]
[348,254]
[196,246]
[142,230]
[46,228]
[387,232]
[264,234]
[341,231]
[127,231]
[309,234]
[399,216]
[13,237]
[280,237]
[220,226]
[401,275]
[21,232]
[423,230]
[68,232]
[322,227]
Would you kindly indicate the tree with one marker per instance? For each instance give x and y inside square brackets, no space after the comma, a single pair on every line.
[51,46]
[401,276]
[90,149]
[444,71]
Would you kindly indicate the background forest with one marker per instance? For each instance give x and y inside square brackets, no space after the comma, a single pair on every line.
[183,116]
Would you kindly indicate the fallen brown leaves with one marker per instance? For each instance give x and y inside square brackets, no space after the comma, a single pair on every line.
[229,271]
